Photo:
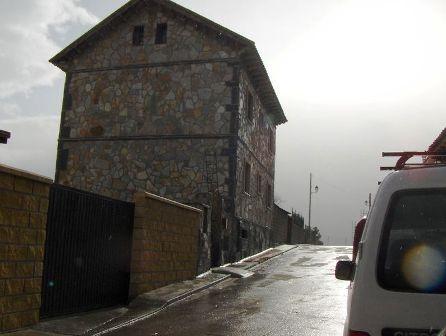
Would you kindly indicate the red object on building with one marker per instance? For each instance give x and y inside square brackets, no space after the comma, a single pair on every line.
[359,229]
[439,143]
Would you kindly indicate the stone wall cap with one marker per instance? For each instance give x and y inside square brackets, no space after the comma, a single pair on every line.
[23,173]
[169,201]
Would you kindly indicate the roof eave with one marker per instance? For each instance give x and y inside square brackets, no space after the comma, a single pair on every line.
[264,86]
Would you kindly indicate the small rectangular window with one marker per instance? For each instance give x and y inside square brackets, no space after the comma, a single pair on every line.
[161,33]
[65,132]
[271,140]
[250,106]
[68,101]
[224,223]
[62,161]
[244,234]
[138,35]
[259,183]
[247,177]
[269,196]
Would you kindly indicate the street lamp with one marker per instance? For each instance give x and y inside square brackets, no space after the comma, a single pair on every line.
[312,191]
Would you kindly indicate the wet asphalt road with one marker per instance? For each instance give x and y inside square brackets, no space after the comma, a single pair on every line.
[294,294]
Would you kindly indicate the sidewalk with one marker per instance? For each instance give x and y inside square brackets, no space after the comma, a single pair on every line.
[100,322]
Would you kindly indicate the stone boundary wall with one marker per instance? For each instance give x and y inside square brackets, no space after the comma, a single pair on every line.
[23,210]
[165,243]
[280,228]
[297,234]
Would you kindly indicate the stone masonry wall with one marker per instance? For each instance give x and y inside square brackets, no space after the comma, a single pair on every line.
[253,206]
[23,210]
[165,243]
[281,221]
[171,168]
[183,99]
[255,133]
[297,234]
[253,149]
[185,41]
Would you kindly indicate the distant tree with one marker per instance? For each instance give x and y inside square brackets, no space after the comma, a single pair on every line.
[316,236]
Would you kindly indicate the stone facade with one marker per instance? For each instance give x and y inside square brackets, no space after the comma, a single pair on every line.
[165,243]
[179,119]
[23,211]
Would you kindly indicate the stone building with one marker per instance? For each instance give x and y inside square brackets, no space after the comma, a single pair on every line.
[159,98]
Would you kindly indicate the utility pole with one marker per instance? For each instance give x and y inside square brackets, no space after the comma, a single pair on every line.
[316,189]
[370,201]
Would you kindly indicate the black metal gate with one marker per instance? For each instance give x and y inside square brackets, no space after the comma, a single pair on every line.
[87,252]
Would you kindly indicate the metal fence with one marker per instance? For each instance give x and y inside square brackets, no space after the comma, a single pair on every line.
[87,252]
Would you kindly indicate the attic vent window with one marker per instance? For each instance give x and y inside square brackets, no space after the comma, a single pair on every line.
[269,196]
[270,140]
[138,35]
[247,177]
[250,106]
[161,33]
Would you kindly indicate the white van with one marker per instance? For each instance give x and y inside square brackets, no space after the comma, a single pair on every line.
[398,280]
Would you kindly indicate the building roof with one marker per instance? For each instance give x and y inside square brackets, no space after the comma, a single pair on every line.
[4,136]
[250,56]
[439,143]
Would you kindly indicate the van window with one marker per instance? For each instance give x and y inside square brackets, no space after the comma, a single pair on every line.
[413,249]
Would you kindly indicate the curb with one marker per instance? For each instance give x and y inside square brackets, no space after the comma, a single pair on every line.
[157,310]
[277,255]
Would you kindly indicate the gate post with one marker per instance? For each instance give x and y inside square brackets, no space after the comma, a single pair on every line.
[23,211]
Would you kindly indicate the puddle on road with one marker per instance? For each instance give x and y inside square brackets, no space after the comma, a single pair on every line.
[277,277]
[265,283]
[300,261]
[315,265]
[321,249]
[343,250]
[249,307]
[343,257]
[283,277]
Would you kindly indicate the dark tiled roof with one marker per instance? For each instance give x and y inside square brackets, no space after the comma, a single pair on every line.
[250,56]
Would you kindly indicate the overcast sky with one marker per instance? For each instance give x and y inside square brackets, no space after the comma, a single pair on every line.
[355,77]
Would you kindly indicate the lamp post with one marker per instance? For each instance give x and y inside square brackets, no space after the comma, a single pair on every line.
[316,189]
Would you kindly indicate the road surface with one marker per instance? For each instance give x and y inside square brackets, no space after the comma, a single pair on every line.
[294,294]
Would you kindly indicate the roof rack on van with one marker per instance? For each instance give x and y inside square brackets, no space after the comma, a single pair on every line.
[406,156]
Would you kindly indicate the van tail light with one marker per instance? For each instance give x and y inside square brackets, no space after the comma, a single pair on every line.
[357,333]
